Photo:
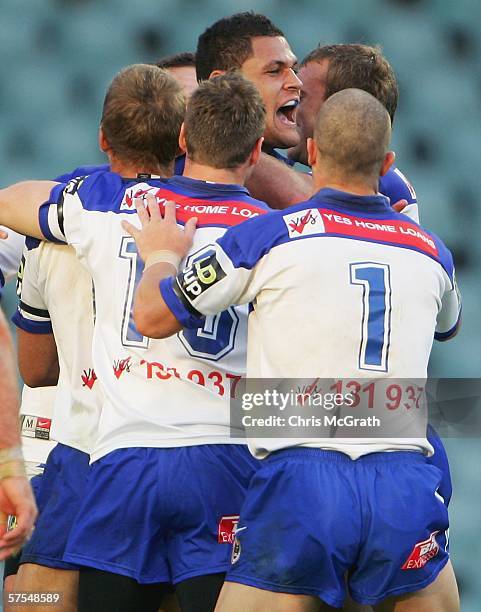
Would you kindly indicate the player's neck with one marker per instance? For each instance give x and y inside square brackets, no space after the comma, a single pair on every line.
[131,170]
[360,187]
[226,176]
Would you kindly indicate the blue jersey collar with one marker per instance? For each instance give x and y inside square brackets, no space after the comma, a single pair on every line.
[371,203]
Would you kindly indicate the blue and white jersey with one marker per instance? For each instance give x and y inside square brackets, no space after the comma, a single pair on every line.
[159,393]
[55,292]
[341,286]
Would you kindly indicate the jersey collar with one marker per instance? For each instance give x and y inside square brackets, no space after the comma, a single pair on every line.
[371,203]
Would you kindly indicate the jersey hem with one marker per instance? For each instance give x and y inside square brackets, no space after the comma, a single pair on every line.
[155,443]
[115,568]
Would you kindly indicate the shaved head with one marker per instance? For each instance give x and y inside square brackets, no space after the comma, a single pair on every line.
[352,134]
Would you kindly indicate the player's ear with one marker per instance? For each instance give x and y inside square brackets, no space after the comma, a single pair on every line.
[103,142]
[388,162]
[216,73]
[182,145]
[311,152]
[256,152]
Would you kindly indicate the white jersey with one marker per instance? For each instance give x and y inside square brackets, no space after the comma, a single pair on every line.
[341,286]
[36,412]
[159,393]
[55,293]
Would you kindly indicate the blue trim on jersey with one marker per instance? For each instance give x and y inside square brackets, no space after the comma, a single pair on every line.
[395,187]
[178,309]
[247,243]
[32,243]
[81,171]
[33,327]
[2,280]
[441,336]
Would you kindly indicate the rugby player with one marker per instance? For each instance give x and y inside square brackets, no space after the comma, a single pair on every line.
[167,478]
[251,43]
[321,509]
[182,67]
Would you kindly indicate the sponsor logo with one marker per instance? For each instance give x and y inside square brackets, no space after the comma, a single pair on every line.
[422,553]
[88,378]
[304,223]
[120,366]
[200,275]
[140,190]
[226,529]
[35,427]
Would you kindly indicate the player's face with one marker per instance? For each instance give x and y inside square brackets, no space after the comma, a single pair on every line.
[313,76]
[186,77]
[270,68]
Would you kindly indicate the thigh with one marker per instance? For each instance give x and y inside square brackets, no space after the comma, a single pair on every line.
[440,596]
[241,598]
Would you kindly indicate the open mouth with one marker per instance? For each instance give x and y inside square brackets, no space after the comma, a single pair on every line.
[287,113]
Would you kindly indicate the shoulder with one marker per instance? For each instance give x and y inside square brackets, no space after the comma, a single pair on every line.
[396,186]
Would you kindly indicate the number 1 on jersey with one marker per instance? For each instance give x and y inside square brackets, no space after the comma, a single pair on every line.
[375,280]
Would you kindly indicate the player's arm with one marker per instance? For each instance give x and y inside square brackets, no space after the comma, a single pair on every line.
[20,204]
[279,185]
[9,399]
[37,358]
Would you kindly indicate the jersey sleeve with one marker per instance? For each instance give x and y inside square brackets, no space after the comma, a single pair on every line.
[208,286]
[10,255]
[395,186]
[32,314]
[449,317]
[63,218]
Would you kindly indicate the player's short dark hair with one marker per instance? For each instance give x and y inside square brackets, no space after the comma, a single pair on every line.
[360,67]
[224,119]
[226,44]
[142,114]
[179,60]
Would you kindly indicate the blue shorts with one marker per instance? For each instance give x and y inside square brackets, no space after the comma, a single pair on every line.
[311,517]
[162,514]
[58,493]
[440,460]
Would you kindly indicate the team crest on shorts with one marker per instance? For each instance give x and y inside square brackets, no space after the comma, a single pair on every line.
[422,553]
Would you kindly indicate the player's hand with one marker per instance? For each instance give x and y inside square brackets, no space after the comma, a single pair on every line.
[16,497]
[160,233]
[3,234]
